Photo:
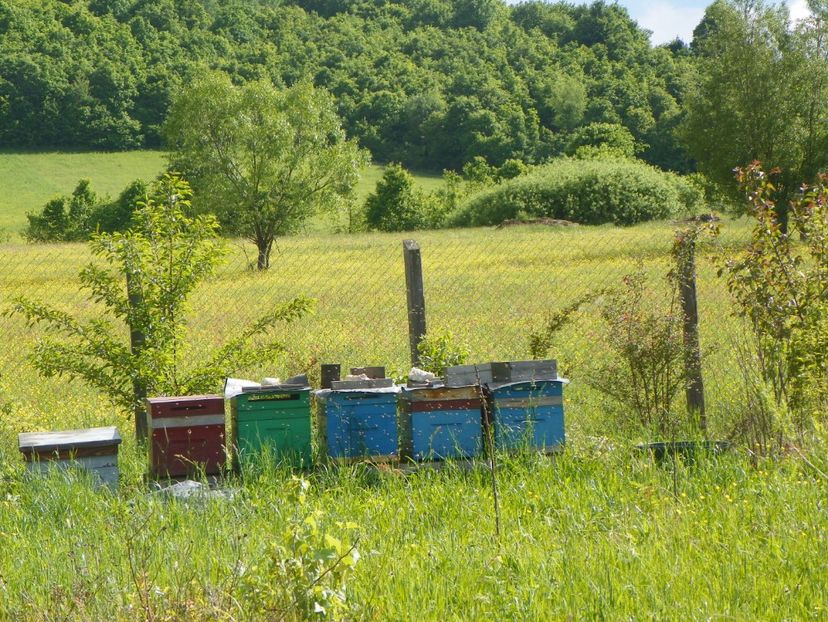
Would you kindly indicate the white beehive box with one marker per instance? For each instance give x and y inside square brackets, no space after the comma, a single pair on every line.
[93,449]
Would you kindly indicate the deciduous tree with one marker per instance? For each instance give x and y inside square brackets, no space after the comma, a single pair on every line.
[264,158]
[760,94]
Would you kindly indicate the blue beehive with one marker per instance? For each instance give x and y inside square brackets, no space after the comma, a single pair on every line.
[528,414]
[358,424]
[441,422]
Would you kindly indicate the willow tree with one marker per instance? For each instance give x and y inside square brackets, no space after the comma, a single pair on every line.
[263,159]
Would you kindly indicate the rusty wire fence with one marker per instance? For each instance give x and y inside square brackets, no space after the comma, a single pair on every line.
[490,288]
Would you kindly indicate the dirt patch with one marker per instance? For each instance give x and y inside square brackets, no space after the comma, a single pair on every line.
[711,217]
[549,222]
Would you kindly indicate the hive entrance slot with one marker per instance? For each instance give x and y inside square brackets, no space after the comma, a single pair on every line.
[272,397]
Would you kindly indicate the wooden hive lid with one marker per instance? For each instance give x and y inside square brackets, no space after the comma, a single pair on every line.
[46,442]
[184,406]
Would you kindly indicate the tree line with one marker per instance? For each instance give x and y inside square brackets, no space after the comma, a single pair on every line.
[277,123]
[431,84]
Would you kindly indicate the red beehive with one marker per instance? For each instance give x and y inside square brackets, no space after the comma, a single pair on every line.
[186,434]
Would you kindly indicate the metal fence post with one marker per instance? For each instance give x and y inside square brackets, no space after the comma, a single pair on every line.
[416,297]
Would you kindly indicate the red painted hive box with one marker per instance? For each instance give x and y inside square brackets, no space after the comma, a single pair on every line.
[186,434]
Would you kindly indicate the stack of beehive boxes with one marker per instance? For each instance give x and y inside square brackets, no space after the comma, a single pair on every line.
[186,435]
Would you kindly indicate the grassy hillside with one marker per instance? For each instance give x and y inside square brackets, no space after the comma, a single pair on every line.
[29,180]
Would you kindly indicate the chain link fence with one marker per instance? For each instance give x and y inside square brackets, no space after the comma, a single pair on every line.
[489,287]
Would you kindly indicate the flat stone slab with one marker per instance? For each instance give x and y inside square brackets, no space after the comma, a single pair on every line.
[189,490]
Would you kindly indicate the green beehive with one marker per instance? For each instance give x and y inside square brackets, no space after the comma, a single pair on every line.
[277,418]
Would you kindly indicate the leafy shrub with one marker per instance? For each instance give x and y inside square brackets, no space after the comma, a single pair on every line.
[451,192]
[74,218]
[644,373]
[441,351]
[306,577]
[780,285]
[396,205]
[610,138]
[612,190]
[478,173]
[512,168]
[111,216]
[64,219]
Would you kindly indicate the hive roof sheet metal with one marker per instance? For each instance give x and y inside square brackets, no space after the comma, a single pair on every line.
[42,442]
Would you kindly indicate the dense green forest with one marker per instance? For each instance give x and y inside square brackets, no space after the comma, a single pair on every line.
[428,83]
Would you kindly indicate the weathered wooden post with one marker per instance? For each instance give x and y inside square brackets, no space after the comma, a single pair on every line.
[136,344]
[416,297]
[686,269]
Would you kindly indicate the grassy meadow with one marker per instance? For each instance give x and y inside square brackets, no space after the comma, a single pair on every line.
[489,287]
[595,534]
[598,532]
[29,180]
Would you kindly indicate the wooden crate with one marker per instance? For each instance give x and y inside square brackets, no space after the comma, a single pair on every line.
[93,449]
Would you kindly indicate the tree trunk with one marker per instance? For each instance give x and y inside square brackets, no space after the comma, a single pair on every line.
[136,343]
[782,215]
[263,245]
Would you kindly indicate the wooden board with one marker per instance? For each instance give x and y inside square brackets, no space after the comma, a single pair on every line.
[372,383]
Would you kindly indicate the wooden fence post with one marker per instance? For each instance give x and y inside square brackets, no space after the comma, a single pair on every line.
[136,344]
[416,297]
[685,254]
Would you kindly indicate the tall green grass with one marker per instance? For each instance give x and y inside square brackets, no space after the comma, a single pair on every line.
[591,534]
